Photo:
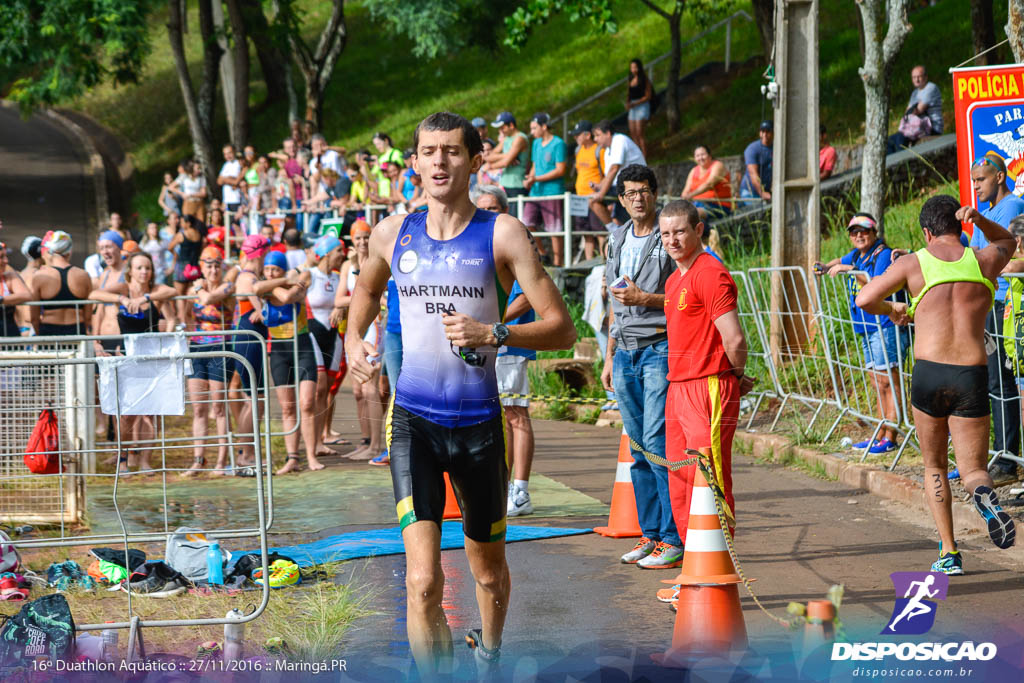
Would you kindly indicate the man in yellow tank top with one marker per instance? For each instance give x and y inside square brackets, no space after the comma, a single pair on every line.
[952,288]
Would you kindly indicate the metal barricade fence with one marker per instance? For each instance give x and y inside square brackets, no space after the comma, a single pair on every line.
[1006,387]
[759,362]
[876,396]
[785,307]
[147,526]
[25,390]
[35,501]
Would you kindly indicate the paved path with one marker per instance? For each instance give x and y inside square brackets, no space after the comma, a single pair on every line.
[574,606]
[42,185]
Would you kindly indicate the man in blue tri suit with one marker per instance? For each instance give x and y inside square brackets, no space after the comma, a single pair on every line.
[453,266]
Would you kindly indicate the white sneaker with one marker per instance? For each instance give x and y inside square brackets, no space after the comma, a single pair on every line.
[519,502]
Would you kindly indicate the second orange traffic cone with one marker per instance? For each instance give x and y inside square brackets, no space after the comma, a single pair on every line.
[622,518]
[451,504]
[708,614]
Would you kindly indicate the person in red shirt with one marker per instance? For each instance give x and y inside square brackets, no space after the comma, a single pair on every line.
[827,155]
[707,354]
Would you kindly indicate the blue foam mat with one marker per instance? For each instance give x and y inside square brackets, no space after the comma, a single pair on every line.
[388,541]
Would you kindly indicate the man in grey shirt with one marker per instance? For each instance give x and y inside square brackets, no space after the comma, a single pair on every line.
[636,360]
[925,100]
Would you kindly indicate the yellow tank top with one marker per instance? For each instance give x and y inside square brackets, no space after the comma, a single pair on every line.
[938,272]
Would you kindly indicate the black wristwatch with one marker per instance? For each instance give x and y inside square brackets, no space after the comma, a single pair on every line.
[500,332]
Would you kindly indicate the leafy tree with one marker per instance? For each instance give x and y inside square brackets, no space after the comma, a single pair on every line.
[316,64]
[439,27]
[54,50]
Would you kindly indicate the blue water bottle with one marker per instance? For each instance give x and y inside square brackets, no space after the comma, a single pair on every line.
[214,565]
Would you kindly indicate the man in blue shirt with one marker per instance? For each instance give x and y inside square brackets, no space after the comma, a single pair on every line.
[546,178]
[510,368]
[988,175]
[757,180]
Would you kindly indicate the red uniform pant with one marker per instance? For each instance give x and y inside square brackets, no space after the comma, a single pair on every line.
[700,414]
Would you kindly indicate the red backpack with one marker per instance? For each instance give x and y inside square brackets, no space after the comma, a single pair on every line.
[42,455]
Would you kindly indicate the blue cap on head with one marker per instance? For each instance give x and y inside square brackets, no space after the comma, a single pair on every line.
[326,245]
[112,236]
[275,258]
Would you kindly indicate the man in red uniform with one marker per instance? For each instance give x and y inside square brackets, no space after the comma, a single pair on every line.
[707,353]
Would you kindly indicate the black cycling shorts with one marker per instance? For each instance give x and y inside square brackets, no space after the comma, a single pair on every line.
[282,361]
[474,458]
[941,390]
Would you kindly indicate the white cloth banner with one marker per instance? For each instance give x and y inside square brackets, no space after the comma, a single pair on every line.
[145,387]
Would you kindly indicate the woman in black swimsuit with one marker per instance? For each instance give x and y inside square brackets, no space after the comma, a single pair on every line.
[12,292]
[141,307]
[189,240]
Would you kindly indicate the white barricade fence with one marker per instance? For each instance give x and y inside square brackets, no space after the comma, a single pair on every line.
[1005,388]
[26,389]
[786,310]
[74,386]
[877,396]
[171,447]
[759,362]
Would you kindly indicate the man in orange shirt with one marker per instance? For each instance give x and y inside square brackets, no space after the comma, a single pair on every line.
[588,170]
[707,353]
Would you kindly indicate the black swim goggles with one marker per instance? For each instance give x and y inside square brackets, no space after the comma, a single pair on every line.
[469,356]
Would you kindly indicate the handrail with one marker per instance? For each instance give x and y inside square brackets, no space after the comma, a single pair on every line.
[622,81]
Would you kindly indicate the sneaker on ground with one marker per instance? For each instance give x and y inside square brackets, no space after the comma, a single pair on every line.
[642,549]
[664,556]
[282,573]
[668,594]
[883,446]
[519,502]
[160,583]
[867,443]
[951,563]
[1003,477]
[1000,527]
[382,460]
[58,576]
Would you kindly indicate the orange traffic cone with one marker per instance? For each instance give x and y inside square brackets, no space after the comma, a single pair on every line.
[820,628]
[622,519]
[708,614]
[451,505]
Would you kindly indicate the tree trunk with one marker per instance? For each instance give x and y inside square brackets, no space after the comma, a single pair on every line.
[202,142]
[983,32]
[674,66]
[764,18]
[1015,29]
[879,55]
[273,63]
[207,98]
[317,65]
[226,64]
[240,60]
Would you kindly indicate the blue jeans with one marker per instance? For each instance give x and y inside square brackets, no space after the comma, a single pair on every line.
[286,203]
[392,356]
[640,378]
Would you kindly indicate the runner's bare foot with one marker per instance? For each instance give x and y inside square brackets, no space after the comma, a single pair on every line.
[197,465]
[291,465]
[315,465]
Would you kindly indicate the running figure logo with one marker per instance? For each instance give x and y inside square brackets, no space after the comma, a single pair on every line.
[914,613]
